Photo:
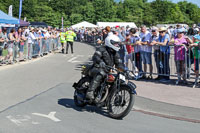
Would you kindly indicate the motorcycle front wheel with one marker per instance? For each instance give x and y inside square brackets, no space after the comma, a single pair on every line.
[120,102]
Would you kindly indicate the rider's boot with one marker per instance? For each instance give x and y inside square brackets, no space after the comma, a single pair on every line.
[90,91]
[94,84]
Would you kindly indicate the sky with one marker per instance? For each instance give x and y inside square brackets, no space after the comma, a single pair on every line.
[193,1]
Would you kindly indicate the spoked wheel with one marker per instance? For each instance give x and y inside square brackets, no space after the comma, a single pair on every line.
[121,103]
[79,94]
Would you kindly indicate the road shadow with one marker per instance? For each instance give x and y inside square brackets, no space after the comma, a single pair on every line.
[171,82]
[69,103]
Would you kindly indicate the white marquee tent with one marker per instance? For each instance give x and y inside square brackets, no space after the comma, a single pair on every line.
[84,24]
[113,24]
[168,25]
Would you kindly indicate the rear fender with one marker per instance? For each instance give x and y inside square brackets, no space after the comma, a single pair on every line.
[80,82]
[75,85]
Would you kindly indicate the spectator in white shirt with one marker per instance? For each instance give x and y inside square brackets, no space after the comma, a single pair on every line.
[146,50]
[31,39]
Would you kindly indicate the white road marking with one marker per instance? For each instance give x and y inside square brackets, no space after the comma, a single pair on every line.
[19,121]
[72,59]
[51,116]
[80,55]
[35,123]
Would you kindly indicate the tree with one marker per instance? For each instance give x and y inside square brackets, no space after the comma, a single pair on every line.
[104,10]
[148,17]
[88,12]
[74,11]
[75,18]
[190,10]
[133,11]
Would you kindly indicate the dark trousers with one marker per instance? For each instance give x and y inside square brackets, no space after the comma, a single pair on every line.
[122,53]
[164,68]
[138,61]
[157,59]
[1,51]
[71,45]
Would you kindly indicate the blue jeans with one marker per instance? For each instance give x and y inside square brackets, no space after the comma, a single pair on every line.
[122,54]
[146,57]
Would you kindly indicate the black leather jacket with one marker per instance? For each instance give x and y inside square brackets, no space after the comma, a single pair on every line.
[108,56]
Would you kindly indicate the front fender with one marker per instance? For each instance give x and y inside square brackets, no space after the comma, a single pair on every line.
[131,87]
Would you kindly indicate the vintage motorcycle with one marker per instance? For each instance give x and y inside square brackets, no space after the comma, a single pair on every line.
[116,92]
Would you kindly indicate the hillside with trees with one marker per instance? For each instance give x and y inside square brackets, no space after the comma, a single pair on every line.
[74,11]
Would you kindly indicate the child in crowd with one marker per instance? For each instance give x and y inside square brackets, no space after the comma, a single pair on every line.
[196,53]
[129,48]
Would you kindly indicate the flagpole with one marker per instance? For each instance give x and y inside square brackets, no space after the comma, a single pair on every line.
[20,10]
[62,24]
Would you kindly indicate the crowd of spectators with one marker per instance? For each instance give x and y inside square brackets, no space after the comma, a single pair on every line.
[14,42]
[147,45]
[144,47]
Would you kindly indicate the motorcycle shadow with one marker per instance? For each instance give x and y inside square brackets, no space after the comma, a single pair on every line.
[69,103]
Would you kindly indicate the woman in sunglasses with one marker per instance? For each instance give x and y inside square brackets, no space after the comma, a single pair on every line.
[164,69]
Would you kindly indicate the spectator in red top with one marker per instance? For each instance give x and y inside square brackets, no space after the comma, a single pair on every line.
[20,40]
[130,50]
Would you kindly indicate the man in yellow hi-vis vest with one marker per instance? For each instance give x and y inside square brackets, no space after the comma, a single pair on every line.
[63,40]
[70,39]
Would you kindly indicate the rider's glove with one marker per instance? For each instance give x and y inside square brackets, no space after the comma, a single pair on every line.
[102,65]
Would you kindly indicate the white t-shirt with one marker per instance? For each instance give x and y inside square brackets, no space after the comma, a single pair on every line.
[31,38]
[47,35]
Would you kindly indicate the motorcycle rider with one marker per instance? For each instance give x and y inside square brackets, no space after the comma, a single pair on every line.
[104,56]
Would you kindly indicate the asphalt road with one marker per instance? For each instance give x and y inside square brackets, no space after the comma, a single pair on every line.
[37,97]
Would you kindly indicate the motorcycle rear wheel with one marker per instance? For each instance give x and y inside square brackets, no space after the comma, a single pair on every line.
[83,84]
[119,100]
[78,102]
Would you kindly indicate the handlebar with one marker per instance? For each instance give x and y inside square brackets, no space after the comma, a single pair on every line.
[126,72]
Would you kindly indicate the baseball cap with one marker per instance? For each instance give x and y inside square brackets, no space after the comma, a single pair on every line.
[197,29]
[181,30]
[44,30]
[98,40]
[154,28]
[197,37]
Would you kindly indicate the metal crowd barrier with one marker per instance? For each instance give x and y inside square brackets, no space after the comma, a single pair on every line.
[88,38]
[165,64]
[12,51]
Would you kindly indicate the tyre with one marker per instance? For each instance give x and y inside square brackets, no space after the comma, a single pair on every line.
[77,101]
[79,93]
[122,100]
